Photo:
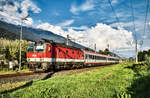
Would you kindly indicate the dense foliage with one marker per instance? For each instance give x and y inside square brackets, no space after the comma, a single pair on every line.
[9,49]
[142,55]
[106,51]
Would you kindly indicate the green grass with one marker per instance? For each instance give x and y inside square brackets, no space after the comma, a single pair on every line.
[108,82]
[10,86]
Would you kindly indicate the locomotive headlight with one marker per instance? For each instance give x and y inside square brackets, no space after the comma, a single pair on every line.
[34,55]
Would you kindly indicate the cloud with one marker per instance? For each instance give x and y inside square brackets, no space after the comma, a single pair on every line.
[66,23]
[88,5]
[29,21]
[28,5]
[101,34]
[78,28]
[56,29]
[10,10]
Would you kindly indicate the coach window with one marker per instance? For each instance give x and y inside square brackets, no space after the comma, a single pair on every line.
[72,52]
[97,58]
[92,56]
[105,58]
[89,56]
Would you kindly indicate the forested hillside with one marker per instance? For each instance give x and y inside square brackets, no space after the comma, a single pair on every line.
[8,35]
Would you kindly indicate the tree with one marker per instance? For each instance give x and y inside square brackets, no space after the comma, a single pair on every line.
[106,51]
[143,54]
[101,52]
[10,49]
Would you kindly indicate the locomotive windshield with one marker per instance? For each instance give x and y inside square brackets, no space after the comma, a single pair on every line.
[30,48]
[39,48]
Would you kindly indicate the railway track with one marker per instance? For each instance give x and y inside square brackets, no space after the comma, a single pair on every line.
[17,74]
[29,76]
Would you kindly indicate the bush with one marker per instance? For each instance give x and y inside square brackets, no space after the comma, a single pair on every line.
[139,67]
[147,62]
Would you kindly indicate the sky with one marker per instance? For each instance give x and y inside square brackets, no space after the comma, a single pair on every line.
[88,22]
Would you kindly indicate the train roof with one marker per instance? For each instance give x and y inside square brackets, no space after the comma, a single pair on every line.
[93,53]
[58,44]
[72,47]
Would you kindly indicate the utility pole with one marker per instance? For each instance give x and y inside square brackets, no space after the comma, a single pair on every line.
[25,18]
[136,52]
[67,40]
[95,47]
[108,46]
[20,46]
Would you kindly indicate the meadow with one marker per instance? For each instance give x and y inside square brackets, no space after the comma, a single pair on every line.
[118,81]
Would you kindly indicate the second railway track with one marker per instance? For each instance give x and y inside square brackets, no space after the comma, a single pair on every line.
[29,76]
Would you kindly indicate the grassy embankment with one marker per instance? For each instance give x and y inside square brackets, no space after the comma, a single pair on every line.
[116,81]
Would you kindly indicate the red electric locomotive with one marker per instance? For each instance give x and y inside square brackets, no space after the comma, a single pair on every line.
[51,55]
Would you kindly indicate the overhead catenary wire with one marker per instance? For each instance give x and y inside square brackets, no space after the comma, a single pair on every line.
[145,21]
[134,30]
[133,21]
[117,19]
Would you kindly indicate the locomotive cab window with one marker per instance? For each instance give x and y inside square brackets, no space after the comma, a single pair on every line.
[30,48]
[39,48]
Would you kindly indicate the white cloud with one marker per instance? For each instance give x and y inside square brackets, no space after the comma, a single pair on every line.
[66,23]
[10,11]
[78,28]
[101,34]
[56,29]
[29,21]
[88,5]
[28,5]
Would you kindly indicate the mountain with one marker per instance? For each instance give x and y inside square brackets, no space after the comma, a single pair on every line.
[11,31]
[8,35]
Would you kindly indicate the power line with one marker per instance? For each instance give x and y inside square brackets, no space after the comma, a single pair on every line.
[114,12]
[136,42]
[145,22]
[109,1]
[132,12]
